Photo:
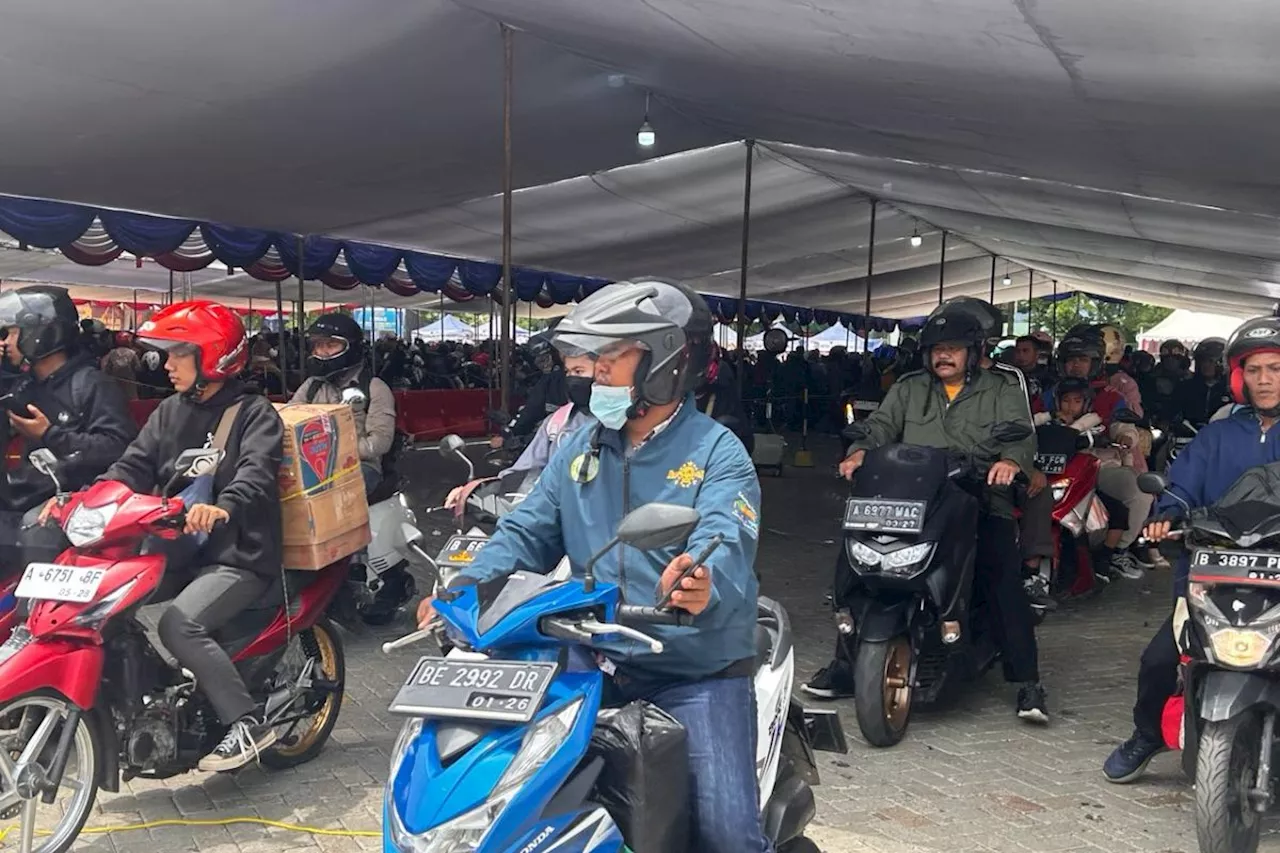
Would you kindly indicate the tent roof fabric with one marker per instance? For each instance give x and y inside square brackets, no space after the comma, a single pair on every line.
[1119,148]
[1191,327]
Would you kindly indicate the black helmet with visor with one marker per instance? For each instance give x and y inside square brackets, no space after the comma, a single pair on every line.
[335,326]
[46,319]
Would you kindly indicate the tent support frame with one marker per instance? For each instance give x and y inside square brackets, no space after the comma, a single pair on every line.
[746,246]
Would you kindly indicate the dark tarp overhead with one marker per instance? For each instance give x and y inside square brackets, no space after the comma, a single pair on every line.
[1122,148]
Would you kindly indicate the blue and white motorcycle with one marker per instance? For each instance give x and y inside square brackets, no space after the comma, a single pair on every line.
[491,759]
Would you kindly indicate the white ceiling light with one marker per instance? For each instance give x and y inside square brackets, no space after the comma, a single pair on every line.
[646,137]
[916,239]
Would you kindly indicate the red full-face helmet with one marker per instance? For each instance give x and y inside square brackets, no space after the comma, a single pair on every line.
[1261,334]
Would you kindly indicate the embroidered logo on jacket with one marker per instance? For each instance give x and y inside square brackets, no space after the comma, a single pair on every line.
[686,475]
[747,514]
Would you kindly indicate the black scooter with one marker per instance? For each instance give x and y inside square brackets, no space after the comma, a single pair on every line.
[907,603]
[1229,633]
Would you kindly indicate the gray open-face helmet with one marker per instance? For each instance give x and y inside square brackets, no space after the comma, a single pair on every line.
[669,321]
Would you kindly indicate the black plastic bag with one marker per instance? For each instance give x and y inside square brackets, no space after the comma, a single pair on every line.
[645,780]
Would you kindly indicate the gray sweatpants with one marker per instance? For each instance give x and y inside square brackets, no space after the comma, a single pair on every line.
[1122,484]
[216,596]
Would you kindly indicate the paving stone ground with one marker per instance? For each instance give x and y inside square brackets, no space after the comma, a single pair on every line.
[968,777]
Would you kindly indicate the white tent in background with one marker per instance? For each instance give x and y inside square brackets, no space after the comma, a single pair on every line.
[449,328]
[481,333]
[1188,327]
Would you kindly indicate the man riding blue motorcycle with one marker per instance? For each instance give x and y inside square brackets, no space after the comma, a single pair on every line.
[652,341]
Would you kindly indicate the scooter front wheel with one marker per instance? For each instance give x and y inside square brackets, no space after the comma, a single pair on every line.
[882,673]
[31,731]
[1226,769]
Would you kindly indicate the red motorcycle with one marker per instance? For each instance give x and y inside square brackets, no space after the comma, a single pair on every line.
[86,700]
[1078,514]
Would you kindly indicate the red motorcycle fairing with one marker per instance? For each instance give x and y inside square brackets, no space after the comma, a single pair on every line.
[70,667]
[311,605]
[1082,474]
[141,573]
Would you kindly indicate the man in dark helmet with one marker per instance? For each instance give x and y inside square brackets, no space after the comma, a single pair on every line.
[337,373]
[62,401]
[652,342]
[1204,392]
[955,403]
[549,390]
[1201,475]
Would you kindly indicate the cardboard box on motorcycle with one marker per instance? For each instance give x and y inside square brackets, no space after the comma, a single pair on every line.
[326,514]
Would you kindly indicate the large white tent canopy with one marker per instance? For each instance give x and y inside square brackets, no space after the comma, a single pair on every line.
[1120,148]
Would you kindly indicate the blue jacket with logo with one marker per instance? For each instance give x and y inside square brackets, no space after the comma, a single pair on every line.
[1212,462]
[693,461]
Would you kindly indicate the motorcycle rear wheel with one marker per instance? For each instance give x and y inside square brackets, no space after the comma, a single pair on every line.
[1226,768]
[302,740]
[882,672]
[25,726]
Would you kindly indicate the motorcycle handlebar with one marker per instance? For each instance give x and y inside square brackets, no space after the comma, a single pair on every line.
[653,615]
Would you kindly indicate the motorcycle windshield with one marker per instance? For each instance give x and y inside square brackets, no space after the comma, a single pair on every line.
[1250,510]
[902,472]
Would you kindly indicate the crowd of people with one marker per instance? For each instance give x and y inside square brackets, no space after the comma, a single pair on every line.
[609,391]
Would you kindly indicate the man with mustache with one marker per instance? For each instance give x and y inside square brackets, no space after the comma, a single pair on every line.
[955,404]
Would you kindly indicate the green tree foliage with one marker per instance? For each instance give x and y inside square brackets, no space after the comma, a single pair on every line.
[1133,317]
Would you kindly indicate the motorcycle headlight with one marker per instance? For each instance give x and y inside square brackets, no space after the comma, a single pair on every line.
[86,525]
[1060,490]
[864,555]
[464,833]
[1240,647]
[408,734]
[905,560]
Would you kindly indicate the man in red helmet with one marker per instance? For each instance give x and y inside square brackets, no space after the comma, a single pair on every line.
[239,562]
[1201,475]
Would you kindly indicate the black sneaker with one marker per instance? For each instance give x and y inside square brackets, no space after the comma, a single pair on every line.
[1123,564]
[1038,593]
[833,681]
[1031,703]
[242,744]
[1129,760]
[1143,556]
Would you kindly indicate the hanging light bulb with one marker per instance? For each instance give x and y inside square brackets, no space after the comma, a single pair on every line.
[646,137]
[1007,280]
[916,239]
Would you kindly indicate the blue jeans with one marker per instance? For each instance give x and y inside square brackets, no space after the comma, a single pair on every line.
[720,716]
[372,476]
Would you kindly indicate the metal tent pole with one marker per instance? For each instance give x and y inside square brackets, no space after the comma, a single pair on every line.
[1053,315]
[302,305]
[373,327]
[942,266]
[992,300]
[280,352]
[135,310]
[442,316]
[871,262]
[1031,294]
[746,245]
[170,287]
[249,320]
[504,347]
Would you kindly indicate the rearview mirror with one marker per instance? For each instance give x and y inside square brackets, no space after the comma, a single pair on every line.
[657,525]
[451,444]
[776,340]
[354,397]
[44,461]
[1009,432]
[1153,483]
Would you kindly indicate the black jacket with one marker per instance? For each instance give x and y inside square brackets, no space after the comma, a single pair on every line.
[1197,400]
[727,406]
[90,426]
[547,394]
[245,485]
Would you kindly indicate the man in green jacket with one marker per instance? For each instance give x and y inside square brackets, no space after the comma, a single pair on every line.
[953,403]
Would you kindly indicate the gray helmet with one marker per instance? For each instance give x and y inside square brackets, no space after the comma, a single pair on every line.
[669,321]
